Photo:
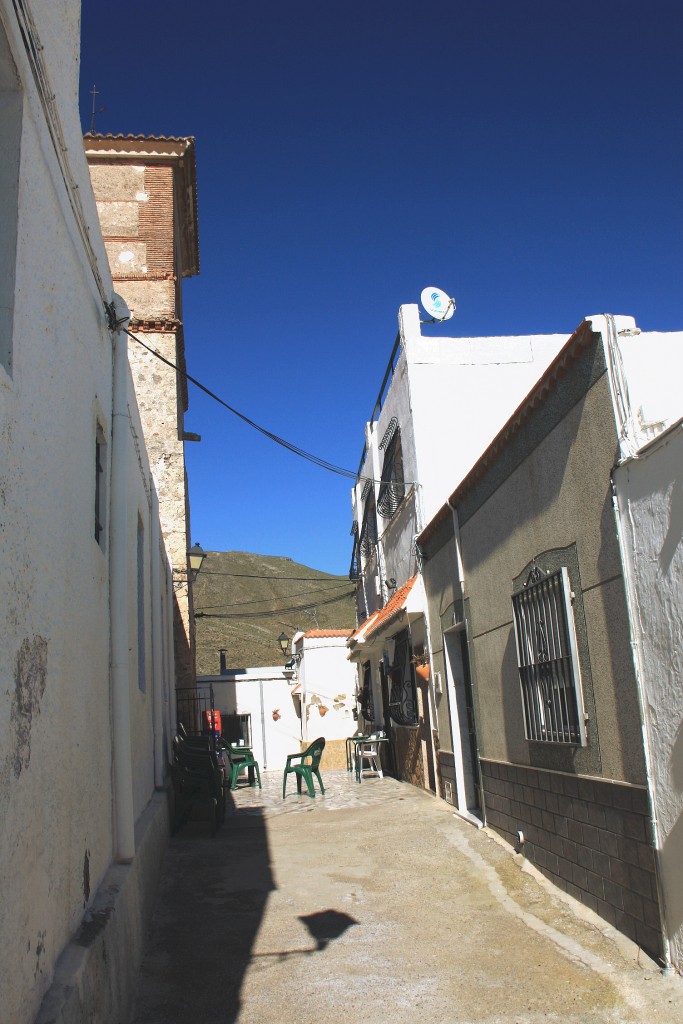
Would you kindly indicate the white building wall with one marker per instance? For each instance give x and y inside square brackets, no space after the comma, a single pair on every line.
[650,501]
[261,692]
[57,837]
[450,397]
[323,678]
[328,680]
[462,392]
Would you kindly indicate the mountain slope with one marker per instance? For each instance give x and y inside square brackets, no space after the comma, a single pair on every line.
[244,601]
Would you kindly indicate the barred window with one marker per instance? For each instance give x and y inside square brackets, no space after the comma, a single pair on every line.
[392,488]
[368,533]
[353,568]
[547,658]
[100,485]
[367,704]
[402,698]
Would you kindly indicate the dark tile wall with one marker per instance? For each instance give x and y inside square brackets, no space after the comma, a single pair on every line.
[590,837]
[447,774]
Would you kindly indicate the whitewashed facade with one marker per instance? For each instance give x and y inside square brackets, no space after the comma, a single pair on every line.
[649,498]
[443,400]
[448,398]
[85,596]
[289,708]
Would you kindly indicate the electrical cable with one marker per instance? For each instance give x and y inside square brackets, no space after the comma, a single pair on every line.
[257,576]
[272,598]
[273,612]
[295,449]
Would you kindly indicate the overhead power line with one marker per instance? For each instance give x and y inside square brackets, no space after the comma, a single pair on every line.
[276,598]
[272,612]
[258,576]
[295,449]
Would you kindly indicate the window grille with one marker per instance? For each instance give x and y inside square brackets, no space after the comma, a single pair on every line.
[368,533]
[547,658]
[353,568]
[367,704]
[392,488]
[389,432]
[100,504]
[142,679]
[403,698]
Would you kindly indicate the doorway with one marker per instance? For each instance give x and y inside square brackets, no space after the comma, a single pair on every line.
[463,726]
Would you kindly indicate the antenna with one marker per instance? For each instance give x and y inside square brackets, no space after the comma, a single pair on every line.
[438,304]
[94,93]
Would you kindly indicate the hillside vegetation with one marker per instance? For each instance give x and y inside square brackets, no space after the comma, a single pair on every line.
[244,601]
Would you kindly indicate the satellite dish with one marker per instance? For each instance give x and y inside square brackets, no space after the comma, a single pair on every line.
[439,305]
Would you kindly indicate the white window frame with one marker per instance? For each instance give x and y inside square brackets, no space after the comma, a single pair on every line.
[548,659]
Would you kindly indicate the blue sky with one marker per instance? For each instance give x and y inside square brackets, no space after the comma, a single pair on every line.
[525,157]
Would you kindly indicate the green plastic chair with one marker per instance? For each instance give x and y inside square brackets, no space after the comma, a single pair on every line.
[305,771]
[239,762]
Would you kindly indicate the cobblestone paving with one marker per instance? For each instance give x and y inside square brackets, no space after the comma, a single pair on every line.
[341,792]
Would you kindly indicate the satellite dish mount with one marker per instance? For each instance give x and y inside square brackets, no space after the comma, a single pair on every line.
[438,304]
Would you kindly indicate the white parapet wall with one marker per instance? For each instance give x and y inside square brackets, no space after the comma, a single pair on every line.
[650,501]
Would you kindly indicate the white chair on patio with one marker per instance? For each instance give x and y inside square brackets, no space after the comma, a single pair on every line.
[367,756]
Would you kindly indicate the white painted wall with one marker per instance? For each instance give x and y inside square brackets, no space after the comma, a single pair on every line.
[57,839]
[462,392]
[450,396]
[650,500]
[327,679]
[259,692]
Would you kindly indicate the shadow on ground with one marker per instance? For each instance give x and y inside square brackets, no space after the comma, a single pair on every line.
[211,902]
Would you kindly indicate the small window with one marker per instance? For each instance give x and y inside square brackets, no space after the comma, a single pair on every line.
[142,681]
[100,485]
[547,659]
[392,488]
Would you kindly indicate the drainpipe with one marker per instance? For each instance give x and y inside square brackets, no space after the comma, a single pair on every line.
[642,701]
[157,641]
[263,726]
[461,581]
[124,814]
[169,687]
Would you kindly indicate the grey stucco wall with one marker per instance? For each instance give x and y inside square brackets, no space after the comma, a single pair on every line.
[556,494]
[444,605]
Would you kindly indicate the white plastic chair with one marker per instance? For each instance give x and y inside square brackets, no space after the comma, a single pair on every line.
[368,751]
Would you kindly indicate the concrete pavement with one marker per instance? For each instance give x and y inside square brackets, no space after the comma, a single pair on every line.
[377,903]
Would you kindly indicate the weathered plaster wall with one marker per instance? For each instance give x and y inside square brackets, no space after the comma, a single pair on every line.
[650,497]
[329,679]
[56,794]
[55,787]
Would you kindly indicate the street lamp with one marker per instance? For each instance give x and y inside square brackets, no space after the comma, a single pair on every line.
[196,557]
[283,641]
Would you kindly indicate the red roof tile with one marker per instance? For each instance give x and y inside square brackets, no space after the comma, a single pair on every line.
[379,619]
[315,633]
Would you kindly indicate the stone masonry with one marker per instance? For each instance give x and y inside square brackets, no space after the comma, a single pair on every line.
[146,200]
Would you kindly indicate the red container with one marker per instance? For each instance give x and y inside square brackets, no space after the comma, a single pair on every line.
[212,726]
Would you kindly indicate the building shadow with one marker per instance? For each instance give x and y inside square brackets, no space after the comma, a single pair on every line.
[213,896]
